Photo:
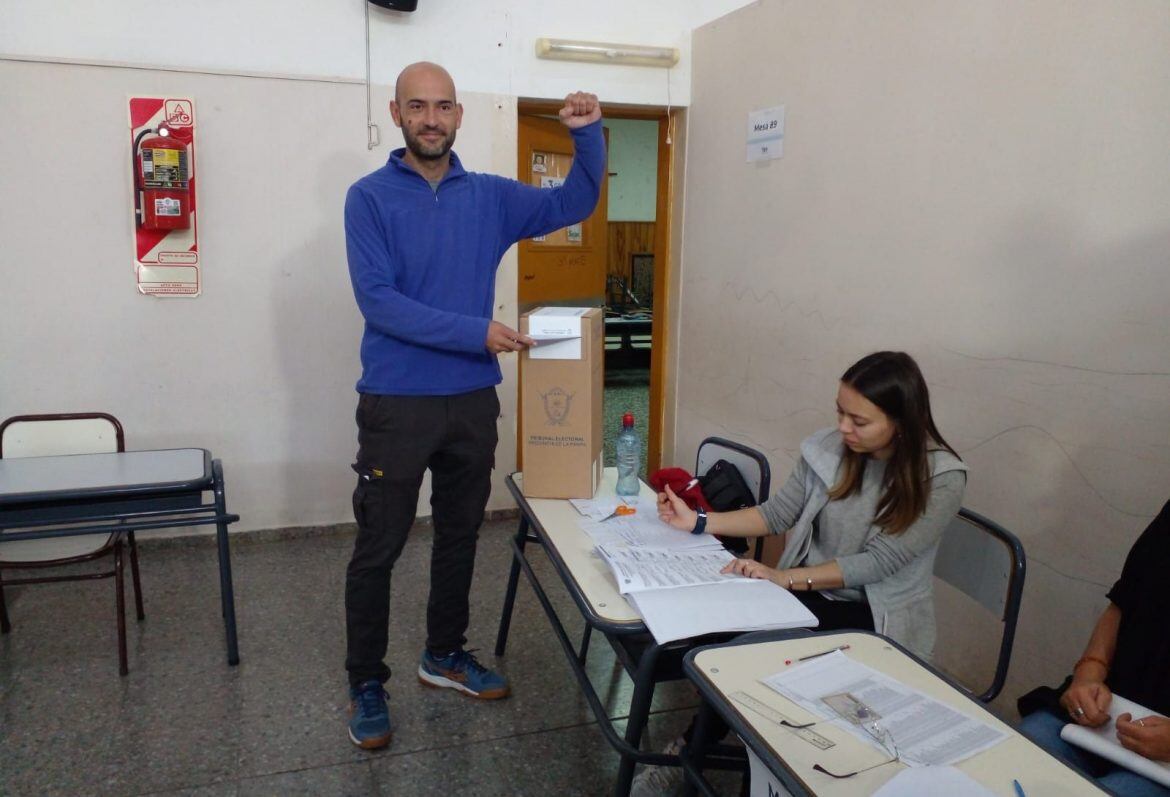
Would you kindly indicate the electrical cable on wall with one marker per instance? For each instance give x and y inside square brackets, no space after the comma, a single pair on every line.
[667,70]
[373,134]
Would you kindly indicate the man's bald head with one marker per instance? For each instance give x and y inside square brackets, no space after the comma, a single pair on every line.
[424,107]
[423,75]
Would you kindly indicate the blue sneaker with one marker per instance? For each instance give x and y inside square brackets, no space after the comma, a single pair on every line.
[369,719]
[460,670]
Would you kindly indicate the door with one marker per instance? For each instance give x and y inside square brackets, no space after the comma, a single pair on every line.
[566,267]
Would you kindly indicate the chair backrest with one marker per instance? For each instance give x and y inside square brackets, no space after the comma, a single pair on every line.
[67,433]
[986,562]
[752,464]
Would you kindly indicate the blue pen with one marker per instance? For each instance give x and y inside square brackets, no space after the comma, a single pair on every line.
[1019,789]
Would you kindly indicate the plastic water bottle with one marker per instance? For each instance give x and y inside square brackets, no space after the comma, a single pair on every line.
[629,451]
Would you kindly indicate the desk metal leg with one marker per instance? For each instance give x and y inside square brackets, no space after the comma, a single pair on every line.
[639,713]
[584,652]
[513,579]
[694,753]
[226,593]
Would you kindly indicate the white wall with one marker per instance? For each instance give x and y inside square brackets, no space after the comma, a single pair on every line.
[261,368]
[488,47]
[983,185]
[633,169]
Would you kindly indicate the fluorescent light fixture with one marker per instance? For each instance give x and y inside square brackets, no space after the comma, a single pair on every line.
[606,53]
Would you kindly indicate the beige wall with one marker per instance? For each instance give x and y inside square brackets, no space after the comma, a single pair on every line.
[983,185]
[261,368]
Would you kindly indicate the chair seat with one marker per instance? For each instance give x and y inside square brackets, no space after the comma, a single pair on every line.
[47,550]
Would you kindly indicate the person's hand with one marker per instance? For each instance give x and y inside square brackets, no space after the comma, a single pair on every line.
[1148,736]
[750,568]
[502,338]
[674,511]
[580,109]
[1087,702]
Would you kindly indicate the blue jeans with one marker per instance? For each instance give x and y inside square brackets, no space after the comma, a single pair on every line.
[1043,728]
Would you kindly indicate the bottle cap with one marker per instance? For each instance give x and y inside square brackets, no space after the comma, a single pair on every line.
[628,420]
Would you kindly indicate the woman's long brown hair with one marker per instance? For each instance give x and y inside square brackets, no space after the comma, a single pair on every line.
[892,381]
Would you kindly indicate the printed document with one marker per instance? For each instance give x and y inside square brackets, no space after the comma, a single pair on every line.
[925,731]
[635,531]
[638,569]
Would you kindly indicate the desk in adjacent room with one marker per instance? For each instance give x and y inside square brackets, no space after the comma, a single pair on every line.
[63,496]
[737,666]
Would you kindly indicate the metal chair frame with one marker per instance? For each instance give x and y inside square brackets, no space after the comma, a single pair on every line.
[955,565]
[113,546]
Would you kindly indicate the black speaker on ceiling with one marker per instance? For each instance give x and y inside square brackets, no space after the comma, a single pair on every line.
[397,5]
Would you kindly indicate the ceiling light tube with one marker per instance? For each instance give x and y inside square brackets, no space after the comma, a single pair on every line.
[606,53]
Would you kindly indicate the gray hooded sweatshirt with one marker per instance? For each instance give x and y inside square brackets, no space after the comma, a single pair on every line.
[893,572]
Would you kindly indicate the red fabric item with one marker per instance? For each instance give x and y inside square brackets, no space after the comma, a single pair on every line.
[678,479]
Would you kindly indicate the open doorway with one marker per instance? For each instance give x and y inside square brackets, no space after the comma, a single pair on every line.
[617,259]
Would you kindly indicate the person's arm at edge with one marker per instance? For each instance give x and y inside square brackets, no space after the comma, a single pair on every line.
[382,305]
[1088,690]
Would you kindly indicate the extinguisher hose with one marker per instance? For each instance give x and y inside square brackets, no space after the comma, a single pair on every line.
[135,171]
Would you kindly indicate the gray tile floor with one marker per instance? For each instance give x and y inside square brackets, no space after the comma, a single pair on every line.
[184,723]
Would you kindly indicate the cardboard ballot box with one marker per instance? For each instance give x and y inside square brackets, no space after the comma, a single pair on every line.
[561,381]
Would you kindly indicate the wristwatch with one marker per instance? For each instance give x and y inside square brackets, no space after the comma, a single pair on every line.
[701,523]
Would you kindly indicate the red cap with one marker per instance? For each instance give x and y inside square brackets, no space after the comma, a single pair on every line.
[628,420]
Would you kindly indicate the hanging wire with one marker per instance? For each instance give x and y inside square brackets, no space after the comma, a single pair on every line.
[668,125]
[373,134]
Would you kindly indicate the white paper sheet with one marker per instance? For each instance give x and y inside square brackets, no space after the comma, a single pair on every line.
[764,783]
[926,732]
[1103,741]
[557,331]
[932,782]
[636,532]
[739,605]
[638,569]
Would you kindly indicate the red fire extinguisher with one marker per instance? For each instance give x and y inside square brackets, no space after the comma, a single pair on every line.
[163,177]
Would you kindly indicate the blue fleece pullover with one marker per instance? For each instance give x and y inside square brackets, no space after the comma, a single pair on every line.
[423,263]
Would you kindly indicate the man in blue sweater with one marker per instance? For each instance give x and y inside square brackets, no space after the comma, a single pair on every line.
[424,239]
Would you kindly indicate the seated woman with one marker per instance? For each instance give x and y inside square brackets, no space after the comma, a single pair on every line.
[862,515]
[1129,654]
[863,511]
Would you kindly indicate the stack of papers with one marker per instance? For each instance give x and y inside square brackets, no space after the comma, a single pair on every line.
[925,731]
[681,593]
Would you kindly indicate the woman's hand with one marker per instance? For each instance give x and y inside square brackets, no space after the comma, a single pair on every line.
[751,569]
[1087,702]
[1149,736]
[674,511]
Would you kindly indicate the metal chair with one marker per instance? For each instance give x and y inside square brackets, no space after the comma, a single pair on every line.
[53,435]
[752,465]
[986,562]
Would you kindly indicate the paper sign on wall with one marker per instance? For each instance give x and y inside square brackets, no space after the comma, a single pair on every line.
[765,134]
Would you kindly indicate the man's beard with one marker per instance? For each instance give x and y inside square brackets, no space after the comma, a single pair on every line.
[424,151]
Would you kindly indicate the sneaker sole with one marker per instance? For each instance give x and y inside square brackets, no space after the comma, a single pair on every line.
[371,744]
[439,682]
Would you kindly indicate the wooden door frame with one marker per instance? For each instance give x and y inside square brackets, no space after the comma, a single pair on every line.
[662,310]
